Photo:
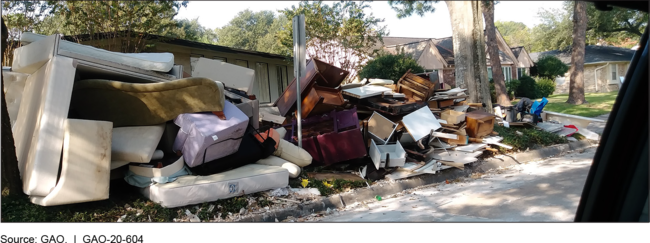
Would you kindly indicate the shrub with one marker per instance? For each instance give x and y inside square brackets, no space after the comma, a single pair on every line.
[389,66]
[526,88]
[545,87]
[550,67]
[493,92]
[511,87]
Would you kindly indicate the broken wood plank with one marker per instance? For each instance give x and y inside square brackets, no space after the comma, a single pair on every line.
[332,176]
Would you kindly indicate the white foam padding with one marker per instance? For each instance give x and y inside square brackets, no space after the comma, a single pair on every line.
[85,165]
[293,153]
[187,190]
[39,134]
[30,58]
[14,86]
[231,75]
[136,144]
[158,172]
[293,169]
[160,62]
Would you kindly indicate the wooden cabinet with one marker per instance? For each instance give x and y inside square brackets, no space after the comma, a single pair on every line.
[479,123]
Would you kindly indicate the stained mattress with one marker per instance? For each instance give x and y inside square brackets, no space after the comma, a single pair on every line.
[187,190]
[160,62]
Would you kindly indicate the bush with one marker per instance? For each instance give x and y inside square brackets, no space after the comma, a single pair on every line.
[545,87]
[526,88]
[511,87]
[389,66]
[550,67]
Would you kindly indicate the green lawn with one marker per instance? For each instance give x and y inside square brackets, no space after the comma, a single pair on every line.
[599,104]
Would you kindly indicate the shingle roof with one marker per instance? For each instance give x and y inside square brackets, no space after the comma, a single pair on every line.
[414,49]
[445,47]
[516,50]
[593,54]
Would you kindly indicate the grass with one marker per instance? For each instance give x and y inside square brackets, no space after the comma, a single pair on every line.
[139,209]
[529,138]
[599,104]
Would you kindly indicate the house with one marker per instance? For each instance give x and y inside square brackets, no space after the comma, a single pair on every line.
[438,55]
[272,72]
[605,67]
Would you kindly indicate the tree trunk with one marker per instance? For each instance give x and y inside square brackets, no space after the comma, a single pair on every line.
[577,82]
[493,52]
[9,163]
[469,50]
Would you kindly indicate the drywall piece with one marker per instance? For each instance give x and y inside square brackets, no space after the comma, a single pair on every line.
[365,91]
[451,92]
[378,154]
[231,75]
[420,123]
[440,144]
[566,119]
[550,127]
[457,156]
[14,83]
[85,169]
[461,108]
[472,147]
[306,191]
[160,62]
[566,131]
[377,81]
[444,135]
[265,116]
[39,135]
[588,134]
[380,128]
[136,144]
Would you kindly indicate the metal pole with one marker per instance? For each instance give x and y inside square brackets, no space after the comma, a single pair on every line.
[299,66]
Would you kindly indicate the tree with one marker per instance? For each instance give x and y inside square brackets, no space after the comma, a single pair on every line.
[341,34]
[254,31]
[389,66]
[576,85]
[191,30]
[493,53]
[9,163]
[468,40]
[123,24]
[20,16]
[616,25]
[550,67]
[515,33]
[554,32]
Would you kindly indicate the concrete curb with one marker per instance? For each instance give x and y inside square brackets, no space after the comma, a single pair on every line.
[365,194]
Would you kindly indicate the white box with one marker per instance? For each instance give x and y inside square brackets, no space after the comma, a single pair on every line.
[378,154]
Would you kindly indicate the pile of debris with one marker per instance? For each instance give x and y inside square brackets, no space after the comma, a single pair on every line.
[82,116]
[405,128]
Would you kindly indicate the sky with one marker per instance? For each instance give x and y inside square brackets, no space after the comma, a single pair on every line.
[214,14]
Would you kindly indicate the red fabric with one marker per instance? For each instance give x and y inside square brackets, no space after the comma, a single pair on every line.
[571,126]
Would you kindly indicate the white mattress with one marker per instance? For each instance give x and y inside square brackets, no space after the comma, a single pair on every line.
[136,144]
[85,169]
[187,190]
[160,62]
[39,134]
[14,85]
[294,170]
[147,170]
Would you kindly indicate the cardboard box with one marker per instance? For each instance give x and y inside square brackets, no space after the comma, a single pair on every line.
[452,116]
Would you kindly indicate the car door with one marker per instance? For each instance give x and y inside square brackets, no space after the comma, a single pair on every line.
[616,189]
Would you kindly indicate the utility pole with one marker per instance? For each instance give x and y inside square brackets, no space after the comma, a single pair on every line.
[299,66]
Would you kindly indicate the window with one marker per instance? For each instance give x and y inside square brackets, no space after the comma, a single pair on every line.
[223,59]
[489,72]
[283,78]
[507,73]
[613,69]
[242,63]
[521,72]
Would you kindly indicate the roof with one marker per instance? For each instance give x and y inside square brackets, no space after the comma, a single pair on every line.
[516,50]
[593,54]
[181,42]
[445,47]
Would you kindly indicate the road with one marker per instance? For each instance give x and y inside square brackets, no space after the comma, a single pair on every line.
[543,191]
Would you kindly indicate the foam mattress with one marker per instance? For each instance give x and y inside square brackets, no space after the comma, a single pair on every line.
[187,190]
[14,85]
[160,62]
[136,144]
